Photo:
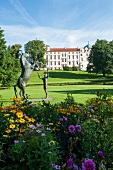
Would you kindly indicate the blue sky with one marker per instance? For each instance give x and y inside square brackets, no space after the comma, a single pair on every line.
[59,23]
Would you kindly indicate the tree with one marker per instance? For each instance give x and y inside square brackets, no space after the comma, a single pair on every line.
[9,66]
[101,57]
[36,49]
[15,50]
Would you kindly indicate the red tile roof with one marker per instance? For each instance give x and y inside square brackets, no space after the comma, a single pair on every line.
[63,49]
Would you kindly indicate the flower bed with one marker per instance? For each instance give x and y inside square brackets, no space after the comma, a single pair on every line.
[62,136]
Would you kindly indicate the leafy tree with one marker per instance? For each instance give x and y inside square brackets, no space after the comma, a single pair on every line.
[101,57]
[36,49]
[9,66]
[15,50]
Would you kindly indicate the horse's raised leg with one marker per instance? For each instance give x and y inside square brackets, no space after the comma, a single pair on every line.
[15,90]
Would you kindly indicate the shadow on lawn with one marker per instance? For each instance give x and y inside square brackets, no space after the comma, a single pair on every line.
[88,91]
[72,75]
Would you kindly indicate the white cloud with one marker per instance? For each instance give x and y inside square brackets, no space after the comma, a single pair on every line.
[53,37]
[25,15]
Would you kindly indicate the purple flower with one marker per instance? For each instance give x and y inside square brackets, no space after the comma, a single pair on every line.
[61,119]
[57,167]
[100,153]
[70,163]
[103,166]
[78,128]
[16,141]
[48,128]
[38,131]
[64,118]
[75,167]
[32,127]
[39,125]
[71,128]
[43,134]
[88,165]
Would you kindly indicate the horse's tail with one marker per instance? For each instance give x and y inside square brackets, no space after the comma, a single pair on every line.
[15,90]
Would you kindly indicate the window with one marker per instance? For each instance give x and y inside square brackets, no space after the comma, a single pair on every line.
[51,57]
[46,57]
[76,56]
[58,62]
[69,56]
[55,57]
[59,57]
[73,56]
[55,63]
[81,59]
[51,63]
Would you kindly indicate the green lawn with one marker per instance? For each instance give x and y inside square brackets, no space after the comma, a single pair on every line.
[80,92]
[57,88]
[59,76]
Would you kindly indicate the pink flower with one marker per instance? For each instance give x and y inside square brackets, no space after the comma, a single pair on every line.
[88,165]
[100,153]
[70,163]
[71,128]
[78,128]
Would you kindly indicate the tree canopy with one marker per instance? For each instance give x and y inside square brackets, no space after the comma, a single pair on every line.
[101,57]
[36,49]
[9,64]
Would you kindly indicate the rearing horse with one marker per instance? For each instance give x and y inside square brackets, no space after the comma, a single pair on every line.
[27,69]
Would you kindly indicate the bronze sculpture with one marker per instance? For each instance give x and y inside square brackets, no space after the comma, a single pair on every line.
[26,73]
[44,79]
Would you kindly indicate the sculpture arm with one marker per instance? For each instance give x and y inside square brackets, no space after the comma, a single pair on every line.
[39,76]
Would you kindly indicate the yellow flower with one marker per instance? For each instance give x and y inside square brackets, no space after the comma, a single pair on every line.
[78,111]
[19,114]
[52,143]
[22,130]
[59,122]
[11,121]
[22,121]
[13,111]
[23,107]
[68,113]
[17,120]
[12,126]
[8,131]
[6,115]
[31,120]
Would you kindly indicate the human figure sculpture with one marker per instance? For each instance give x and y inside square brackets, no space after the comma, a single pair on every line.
[44,79]
[26,73]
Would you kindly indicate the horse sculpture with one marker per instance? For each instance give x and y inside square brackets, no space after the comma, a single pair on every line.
[26,73]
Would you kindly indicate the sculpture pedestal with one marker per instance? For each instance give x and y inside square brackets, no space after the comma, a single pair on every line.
[40,99]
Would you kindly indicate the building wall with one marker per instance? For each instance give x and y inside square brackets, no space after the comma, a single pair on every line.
[60,57]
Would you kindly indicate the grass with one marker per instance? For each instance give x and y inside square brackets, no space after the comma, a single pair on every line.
[58,86]
[80,92]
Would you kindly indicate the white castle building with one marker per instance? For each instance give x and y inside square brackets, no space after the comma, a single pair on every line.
[60,57]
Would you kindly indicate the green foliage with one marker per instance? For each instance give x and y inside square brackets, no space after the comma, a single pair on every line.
[9,65]
[67,68]
[36,148]
[36,49]
[67,130]
[102,57]
[15,50]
